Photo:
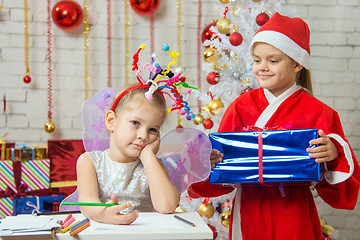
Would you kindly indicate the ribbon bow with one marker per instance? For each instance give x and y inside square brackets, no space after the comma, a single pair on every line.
[36,208]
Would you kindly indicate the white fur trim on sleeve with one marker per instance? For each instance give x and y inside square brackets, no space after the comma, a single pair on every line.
[334,177]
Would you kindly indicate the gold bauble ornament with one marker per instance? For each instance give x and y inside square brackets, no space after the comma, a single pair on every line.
[179,209]
[222,25]
[225,218]
[224,1]
[198,119]
[211,55]
[49,127]
[215,105]
[256,0]
[206,209]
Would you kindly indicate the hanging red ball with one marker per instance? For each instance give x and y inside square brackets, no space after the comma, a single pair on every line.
[207,34]
[262,18]
[67,14]
[144,7]
[179,126]
[213,229]
[235,39]
[208,123]
[212,78]
[27,79]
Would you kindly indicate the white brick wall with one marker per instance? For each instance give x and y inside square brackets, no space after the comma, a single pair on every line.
[335,46]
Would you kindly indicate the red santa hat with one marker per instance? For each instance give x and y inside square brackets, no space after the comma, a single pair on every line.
[289,35]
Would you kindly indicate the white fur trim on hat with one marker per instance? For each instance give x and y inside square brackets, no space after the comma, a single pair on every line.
[284,44]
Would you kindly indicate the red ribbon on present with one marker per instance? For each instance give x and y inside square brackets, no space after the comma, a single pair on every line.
[21,187]
[260,150]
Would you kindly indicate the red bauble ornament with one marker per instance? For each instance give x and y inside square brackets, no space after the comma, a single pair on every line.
[67,14]
[213,229]
[144,7]
[235,39]
[27,79]
[207,34]
[208,123]
[212,78]
[179,126]
[262,18]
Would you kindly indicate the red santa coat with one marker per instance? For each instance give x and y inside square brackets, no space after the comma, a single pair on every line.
[289,213]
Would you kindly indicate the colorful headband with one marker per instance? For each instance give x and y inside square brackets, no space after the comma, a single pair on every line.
[121,95]
[157,82]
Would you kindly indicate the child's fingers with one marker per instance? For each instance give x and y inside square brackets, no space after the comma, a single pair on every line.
[128,218]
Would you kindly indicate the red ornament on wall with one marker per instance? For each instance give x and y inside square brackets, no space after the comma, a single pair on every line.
[262,18]
[27,79]
[207,34]
[144,7]
[67,14]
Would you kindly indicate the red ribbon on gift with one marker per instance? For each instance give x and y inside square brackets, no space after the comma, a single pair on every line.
[20,187]
[260,150]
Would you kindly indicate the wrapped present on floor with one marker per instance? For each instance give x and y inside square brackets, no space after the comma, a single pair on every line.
[3,146]
[31,205]
[19,179]
[63,155]
[25,153]
[6,207]
[265,157]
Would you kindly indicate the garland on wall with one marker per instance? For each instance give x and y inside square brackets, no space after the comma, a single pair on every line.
[27,78]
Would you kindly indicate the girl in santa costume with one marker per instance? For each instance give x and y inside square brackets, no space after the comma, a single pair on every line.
[280,51]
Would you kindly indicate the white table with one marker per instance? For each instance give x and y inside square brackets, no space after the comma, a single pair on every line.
[147,226]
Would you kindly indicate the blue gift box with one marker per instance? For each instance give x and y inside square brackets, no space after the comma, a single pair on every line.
[31,205]
[284,157]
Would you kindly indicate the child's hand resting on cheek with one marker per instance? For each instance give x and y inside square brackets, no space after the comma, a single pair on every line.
[326,151]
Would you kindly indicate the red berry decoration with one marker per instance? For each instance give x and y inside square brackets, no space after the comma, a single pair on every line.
[235,39]
[27,79]
[212,78]
[208,123]
[262,18]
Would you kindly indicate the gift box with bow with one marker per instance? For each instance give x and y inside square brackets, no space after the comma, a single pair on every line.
[265,157]
[31,205]
[20,179]
[25,153]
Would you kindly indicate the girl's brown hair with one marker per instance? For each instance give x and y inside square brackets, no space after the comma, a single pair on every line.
[304,80]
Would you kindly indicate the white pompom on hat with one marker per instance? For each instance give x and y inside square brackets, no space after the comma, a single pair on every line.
[289,35]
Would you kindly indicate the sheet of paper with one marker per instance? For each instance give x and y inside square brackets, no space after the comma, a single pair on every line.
[145,221]
[24,222]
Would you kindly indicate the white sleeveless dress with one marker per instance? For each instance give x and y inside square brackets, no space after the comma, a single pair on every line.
[126,180]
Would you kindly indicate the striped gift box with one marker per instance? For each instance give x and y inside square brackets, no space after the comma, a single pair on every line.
[7,175]
[6,207]
[36,174]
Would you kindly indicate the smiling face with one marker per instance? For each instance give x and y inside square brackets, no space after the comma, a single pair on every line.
[137,124]
[273,69]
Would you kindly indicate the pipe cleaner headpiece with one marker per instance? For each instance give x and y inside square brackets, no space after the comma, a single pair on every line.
[160,80]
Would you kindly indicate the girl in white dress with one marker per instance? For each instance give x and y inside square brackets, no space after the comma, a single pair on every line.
[128,172]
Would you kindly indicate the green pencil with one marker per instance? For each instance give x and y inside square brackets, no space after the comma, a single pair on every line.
[89,204]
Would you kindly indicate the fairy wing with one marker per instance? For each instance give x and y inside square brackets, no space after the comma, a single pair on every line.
[186,155]
[95,135]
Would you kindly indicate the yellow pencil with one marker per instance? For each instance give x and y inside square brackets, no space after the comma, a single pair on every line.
[64,230]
